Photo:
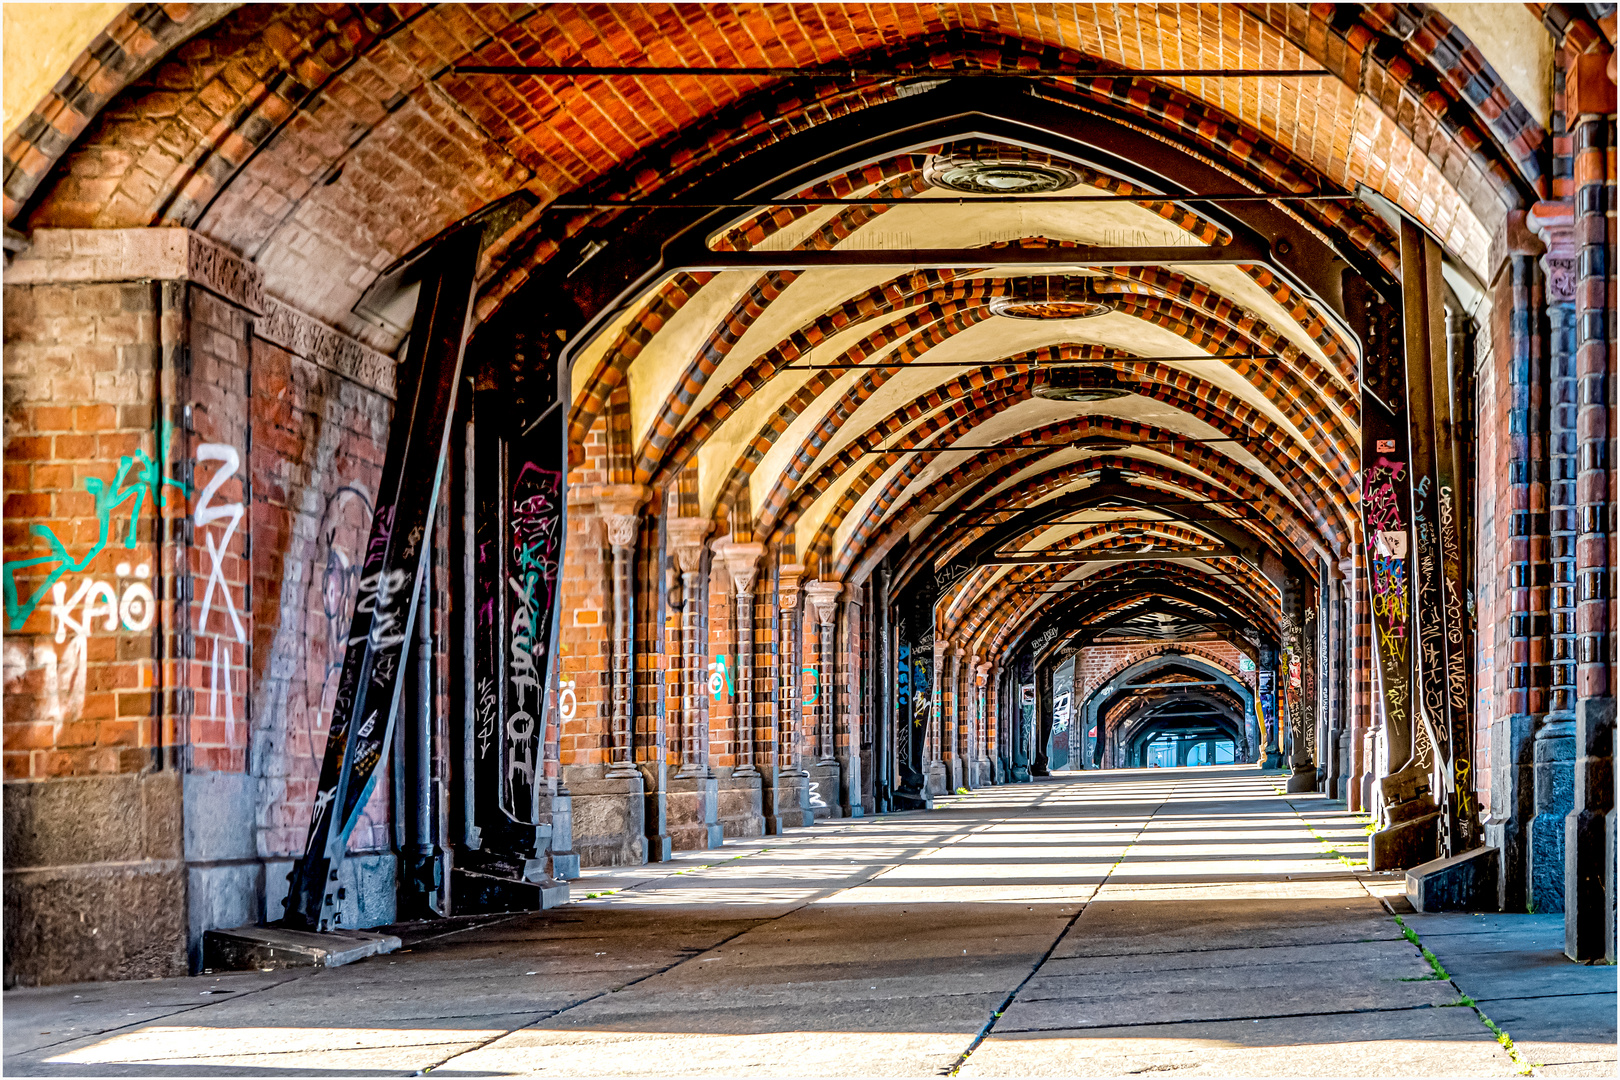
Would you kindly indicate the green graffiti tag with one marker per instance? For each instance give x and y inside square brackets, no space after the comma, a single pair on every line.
[148,481]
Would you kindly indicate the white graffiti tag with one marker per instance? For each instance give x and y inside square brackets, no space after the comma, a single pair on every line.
[206,514]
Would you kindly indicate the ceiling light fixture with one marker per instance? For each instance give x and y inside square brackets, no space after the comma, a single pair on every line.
[1081,384]
[999,170]
[1051,298]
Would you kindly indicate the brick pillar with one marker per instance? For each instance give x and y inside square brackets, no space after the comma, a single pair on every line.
[826,772]
[621,534]
[1589,838]
[692,806]
[686,536]
[1523,569]
[938,777]
[792,781]
[1553,749]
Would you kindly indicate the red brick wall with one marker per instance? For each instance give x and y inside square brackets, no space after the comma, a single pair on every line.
[80,668]
[583,645]
[317,452]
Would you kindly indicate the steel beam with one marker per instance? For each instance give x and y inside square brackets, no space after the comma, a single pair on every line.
[390,578]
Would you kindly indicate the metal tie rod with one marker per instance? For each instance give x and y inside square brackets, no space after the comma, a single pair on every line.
[1035,365]
[559,71]
[950,200]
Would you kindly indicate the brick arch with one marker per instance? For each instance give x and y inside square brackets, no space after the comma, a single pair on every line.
[1201,462]
[1294,530]
[1149,652]
[920,286]
[267,153]
[1234,418]
[985,610]
[975,607]
[861,546]
[1271,439]
[1011,616]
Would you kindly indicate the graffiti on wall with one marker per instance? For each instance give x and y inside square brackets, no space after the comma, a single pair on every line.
[216,593]
[138,482]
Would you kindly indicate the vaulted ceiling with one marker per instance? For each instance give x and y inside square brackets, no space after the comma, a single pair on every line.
[802,364]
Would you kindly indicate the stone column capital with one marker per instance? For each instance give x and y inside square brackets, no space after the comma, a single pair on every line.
[608,499]
[1554,224]
[686,536]
[787,588]
[742,562]
[824,595]
[621,528]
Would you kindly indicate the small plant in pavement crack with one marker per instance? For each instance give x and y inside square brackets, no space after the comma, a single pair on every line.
[1463,1000]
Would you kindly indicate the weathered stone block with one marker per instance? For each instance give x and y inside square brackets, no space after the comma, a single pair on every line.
[125,921]
[822,790]
[609,820]
[1465,882]
[738,807]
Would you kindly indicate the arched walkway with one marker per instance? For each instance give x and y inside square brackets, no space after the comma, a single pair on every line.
[455,449]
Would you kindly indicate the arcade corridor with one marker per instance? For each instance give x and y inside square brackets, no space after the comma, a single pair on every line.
[1108,924]
[710,526]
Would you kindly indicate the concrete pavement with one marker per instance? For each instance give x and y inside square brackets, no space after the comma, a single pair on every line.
[1194,921]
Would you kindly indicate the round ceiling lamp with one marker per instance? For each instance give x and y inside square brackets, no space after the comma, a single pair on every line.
[1051,298]
[1080,384]
[999,171]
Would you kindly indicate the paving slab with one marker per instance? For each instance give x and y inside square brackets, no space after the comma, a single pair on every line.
[1188,921]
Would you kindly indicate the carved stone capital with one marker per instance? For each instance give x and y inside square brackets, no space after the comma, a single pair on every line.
[824,595]
[787,589]
[621,529]
[686,536]
[742,562]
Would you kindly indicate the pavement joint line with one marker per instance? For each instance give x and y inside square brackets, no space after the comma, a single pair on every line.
[178,1010]
[1007,1002]
[756,924]
[1502,1037]
[1238,1019]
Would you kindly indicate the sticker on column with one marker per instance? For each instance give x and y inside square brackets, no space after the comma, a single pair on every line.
[567,702]
[720,679]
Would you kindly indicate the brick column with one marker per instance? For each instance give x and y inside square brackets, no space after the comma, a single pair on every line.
[686,537]
[1553,749]
[1523,567]
[938,776]
[621,534]
[1590,850]
[742,562]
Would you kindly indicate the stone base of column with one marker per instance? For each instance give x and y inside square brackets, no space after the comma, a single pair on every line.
[1302,779]
[1412,837]
[1554,757]
[938,780]
[822,785]
[984,772]
[851,802]
[789,798]
[609,816]
[957,774]
[692,812]
[738,809]
[564,859]
[1588,856]
[1465,882]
